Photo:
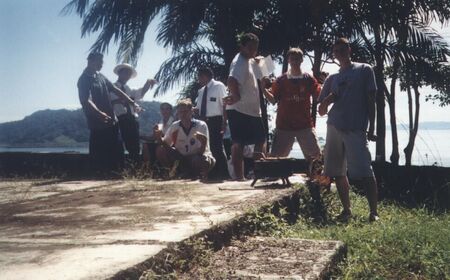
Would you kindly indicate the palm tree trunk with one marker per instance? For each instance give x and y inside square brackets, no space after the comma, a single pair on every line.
[395,155]
[379,76]
[413,123]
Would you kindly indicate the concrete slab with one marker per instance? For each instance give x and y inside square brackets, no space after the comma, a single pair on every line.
[94,229]
[272,258]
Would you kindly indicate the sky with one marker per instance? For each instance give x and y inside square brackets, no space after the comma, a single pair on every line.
[42,56]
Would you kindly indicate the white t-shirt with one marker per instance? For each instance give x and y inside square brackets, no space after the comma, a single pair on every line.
[184,141]
[215,93]
[165,126]
[242,70]
[119,108]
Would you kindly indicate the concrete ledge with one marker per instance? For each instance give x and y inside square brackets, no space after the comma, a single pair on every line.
[273,258]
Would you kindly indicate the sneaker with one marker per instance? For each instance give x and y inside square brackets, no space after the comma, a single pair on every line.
[373,217]
[344,216]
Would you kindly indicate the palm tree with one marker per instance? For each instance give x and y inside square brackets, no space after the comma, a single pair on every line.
[203,32]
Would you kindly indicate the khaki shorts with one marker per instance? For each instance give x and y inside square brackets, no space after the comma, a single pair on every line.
[284,139]
[347,151]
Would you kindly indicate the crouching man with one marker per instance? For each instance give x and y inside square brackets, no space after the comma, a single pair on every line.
[186,142]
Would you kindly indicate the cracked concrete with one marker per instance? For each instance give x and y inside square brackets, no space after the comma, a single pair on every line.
[94,229]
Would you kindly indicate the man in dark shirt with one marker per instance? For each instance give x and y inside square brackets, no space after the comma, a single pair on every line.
[105,146]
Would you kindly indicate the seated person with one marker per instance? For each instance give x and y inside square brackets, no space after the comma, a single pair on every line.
[186,142]
[149,145]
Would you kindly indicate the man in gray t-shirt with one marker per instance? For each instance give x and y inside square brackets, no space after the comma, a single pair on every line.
[105,146]
[352,91]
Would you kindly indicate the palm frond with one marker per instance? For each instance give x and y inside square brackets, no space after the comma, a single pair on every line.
[181,23]
[182,67]
[79,6]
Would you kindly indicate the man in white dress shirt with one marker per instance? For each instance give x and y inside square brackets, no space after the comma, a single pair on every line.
[186,141]
[128,123]
[210,109]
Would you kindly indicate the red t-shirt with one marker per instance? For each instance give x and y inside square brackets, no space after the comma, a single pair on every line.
[294,101]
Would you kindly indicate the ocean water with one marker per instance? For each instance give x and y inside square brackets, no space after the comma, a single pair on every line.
[432,147]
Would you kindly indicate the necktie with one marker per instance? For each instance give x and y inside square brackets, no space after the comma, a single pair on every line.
[203,107]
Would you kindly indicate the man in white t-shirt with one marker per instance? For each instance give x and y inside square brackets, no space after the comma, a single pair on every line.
[128,123]
[186,141]
[243,104]
[210,109]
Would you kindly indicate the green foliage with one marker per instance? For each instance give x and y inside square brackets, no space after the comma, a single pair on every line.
[404,244]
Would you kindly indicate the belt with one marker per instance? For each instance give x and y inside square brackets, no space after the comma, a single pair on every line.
[211,118]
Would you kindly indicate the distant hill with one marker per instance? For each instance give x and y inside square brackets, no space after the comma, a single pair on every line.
[63,128]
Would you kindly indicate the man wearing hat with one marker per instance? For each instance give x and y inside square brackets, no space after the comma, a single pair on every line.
[128,123]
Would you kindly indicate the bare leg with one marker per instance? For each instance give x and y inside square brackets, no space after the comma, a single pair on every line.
[163,157]
[370,186]
[237,157]
[260,148]
[343,188]
[145,153]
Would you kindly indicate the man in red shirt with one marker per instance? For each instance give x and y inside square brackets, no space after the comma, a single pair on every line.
[293,92]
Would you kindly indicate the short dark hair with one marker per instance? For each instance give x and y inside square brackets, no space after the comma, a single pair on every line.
[247,38]
[165,104]
[95,55]
[343,42]
[206,71]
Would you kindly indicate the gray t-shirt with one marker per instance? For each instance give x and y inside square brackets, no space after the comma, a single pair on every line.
[96,87]
[241,69]
[351,87]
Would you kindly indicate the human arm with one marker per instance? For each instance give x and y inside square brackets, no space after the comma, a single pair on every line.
[138,94]
[371,102]
[371,110]
[233,88]
[326,97]
[84,94]
[203,139]
[222,95]
[268,93]
[202,136]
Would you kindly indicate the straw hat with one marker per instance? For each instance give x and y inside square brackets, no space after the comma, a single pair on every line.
[127,66]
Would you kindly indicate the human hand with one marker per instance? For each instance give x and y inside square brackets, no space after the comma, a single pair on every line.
[137,108]
[322,77]
[151,82]
[265,82]
[230,99]
[104,117]
[258,58]
[196,111]
[200,136]
[323,108]
[224,128]
[371,135]
[157,133]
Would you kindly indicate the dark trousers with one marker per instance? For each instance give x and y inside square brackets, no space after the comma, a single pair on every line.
[220,170]
[106,149]
[129,129]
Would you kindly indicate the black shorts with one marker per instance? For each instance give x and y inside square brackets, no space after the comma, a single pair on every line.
[245,129]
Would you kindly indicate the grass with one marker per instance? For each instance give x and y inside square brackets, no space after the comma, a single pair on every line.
[404,244]
[407,243]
